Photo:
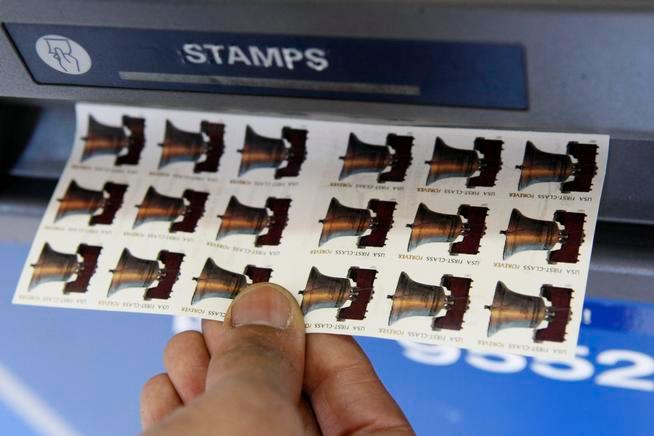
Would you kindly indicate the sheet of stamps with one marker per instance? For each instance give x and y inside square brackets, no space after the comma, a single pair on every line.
[474,238]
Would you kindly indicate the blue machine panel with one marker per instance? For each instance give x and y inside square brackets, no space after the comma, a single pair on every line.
[86,369]
[473,74]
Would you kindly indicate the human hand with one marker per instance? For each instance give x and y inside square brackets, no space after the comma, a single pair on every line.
[258,373]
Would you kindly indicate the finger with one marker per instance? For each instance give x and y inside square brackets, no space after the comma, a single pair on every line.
[211,330]
[264,324]
[255,373]
[309,422]
[186,359]
[158,400]
[345,392]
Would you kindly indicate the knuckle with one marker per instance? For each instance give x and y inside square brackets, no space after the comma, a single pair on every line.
[256,352]
[210,324]
[179,342]
[154,384]
[256,348]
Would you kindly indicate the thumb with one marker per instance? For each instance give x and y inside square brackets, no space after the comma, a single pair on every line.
[256,371]
[261,338]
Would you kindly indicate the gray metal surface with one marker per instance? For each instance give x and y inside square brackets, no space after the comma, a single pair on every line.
[589,70]
[45,152]
[628,194]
